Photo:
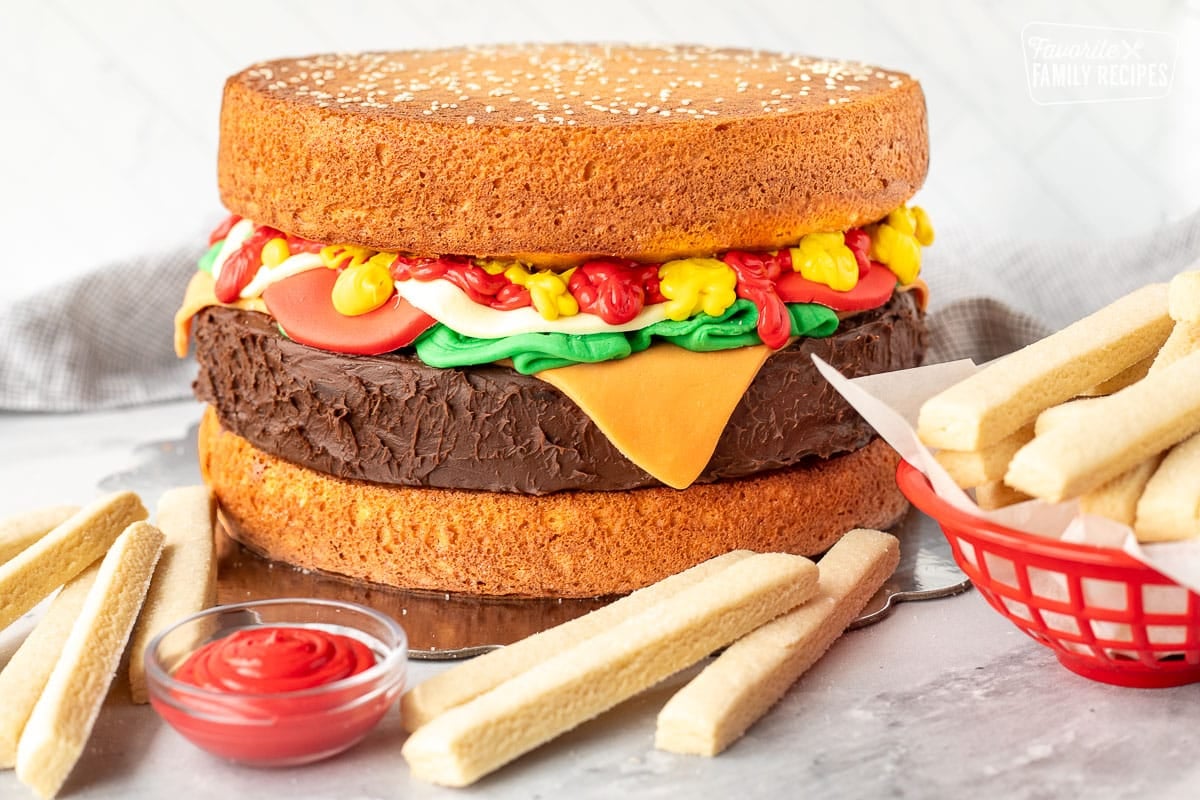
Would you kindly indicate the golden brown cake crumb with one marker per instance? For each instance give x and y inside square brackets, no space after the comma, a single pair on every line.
[553,151]
[570,544]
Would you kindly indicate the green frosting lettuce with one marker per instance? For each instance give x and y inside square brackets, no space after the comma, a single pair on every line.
[533,352]
[206,261]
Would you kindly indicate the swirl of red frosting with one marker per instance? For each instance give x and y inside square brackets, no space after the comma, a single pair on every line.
[270,660]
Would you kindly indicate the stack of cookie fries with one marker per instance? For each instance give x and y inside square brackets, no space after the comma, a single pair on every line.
[1106,410]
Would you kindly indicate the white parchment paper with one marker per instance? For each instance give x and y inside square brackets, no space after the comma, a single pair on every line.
[890,403]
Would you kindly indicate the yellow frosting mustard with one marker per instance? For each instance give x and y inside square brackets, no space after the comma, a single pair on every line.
[824,258]
[897,240]
[337,256]
[494,266]
[364,287]
[547,291]
[692,285]
[275,252]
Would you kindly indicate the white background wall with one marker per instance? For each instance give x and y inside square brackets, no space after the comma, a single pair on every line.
[108,110]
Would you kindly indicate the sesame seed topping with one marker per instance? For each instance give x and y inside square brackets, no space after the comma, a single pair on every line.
[540,83]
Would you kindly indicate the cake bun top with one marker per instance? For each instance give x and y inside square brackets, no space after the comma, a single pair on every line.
[552,153]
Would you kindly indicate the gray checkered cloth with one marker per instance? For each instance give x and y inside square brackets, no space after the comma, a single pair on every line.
[101,341]
[989,297]
[105,340]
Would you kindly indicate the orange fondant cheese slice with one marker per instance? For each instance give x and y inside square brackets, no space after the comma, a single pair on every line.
[198,297]
[665,407]
[920,290]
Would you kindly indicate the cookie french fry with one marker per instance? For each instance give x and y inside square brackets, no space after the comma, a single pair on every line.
[999,399]
[467,742]
[996,494]
[1122,379]
[472,678]
[1183,297]
[1118,498]
[735,690]
[22,530]
[1169,508]
[977,467]
[62,720]
[185,581]
[1057,414]
[26,673]
[64,552]
[1184,339]
[1112,435]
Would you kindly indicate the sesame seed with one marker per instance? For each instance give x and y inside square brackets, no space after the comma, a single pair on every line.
[541,82]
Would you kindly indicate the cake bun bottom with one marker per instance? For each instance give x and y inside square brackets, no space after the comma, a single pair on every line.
[568,544]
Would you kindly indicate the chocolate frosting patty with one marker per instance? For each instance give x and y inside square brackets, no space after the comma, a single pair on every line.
[391,419]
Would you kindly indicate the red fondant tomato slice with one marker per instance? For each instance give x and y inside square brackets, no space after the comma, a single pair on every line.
[872,290]
[303,307]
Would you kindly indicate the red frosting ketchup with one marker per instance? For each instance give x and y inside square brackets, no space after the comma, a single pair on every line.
[276,695]
[270,660]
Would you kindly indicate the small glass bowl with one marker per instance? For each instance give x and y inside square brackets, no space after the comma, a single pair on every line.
[283,728]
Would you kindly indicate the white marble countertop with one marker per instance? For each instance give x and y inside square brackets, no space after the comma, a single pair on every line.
[942,699]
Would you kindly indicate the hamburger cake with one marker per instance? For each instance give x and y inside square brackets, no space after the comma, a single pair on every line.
[538,320]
